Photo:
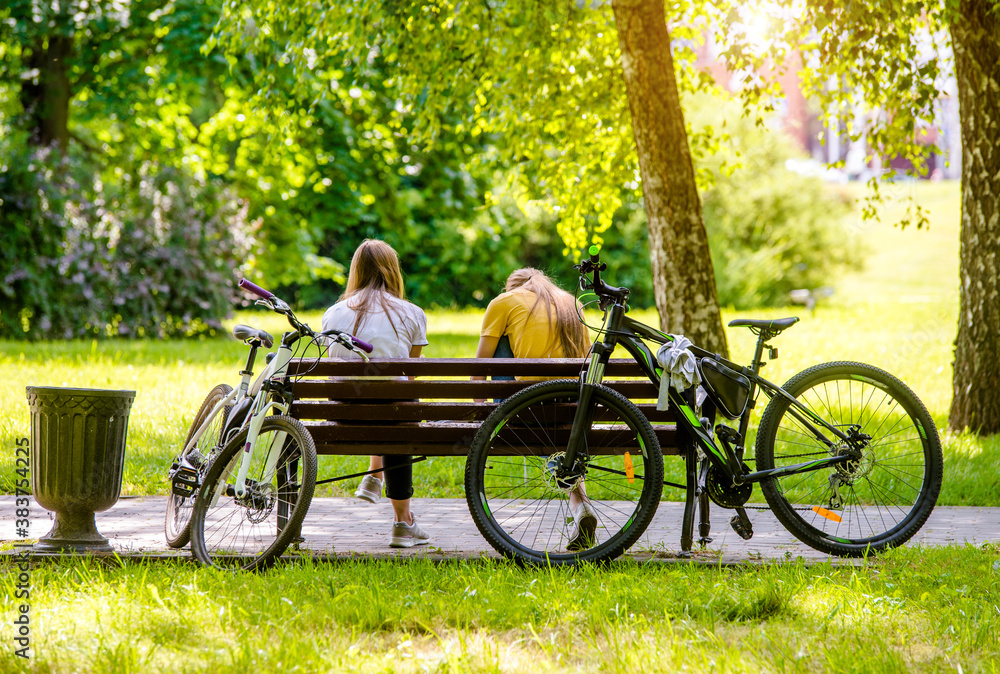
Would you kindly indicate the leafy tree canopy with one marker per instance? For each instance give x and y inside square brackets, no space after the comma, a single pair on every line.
[541,81]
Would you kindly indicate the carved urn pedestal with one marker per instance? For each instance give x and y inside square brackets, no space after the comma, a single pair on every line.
[77,458]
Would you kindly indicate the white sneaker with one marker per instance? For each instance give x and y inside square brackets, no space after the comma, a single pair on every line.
[583,534]
[370,489]
[407,535]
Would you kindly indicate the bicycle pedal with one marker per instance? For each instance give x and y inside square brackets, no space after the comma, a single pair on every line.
[729,435]
[184,480]
[741,525]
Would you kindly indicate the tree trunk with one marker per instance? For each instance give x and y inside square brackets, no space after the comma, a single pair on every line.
[683,279]
[46,96]
[976,383]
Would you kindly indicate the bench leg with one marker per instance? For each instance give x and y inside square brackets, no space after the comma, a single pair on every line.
[691,470]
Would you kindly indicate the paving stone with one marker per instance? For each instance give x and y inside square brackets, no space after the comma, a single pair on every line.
[344,528]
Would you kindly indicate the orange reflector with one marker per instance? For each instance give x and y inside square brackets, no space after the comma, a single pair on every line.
[629,470]
[823,512]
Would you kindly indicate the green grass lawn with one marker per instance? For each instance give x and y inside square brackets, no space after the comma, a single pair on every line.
[911,610]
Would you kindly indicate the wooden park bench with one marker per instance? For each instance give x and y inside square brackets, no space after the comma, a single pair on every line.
[441,413]
[438,413]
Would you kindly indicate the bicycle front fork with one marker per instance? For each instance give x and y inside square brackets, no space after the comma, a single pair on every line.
[273,452]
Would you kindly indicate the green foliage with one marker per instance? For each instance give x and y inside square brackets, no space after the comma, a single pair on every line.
[541,81]
[153,255]
[770,230]
[878,68]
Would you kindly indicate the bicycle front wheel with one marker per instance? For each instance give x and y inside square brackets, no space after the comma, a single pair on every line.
[178,515]
[251,531]
[874,503]
[520,505]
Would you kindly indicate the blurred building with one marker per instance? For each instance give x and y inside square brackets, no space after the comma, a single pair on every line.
[829,143]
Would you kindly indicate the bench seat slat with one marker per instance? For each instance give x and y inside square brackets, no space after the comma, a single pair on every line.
[452,449]
[363,450]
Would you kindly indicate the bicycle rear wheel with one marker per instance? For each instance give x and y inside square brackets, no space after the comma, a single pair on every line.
[518,503]
[178,515]
[251,532]
[887,495]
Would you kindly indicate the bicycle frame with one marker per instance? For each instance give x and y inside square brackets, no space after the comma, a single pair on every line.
[237,395]
[619,328]
[274,379]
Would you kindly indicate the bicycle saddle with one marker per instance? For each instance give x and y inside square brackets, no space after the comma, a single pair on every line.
[245,333]
[775,326]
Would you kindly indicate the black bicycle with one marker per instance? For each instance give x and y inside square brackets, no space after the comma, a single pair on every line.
[846,455]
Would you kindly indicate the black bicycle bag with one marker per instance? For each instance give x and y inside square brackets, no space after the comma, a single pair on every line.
[728,389]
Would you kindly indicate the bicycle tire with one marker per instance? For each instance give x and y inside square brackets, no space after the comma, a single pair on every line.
[529,522]
[887,495]
[250,533]
[178,515]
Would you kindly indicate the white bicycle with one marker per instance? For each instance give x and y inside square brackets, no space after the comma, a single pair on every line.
[246,475]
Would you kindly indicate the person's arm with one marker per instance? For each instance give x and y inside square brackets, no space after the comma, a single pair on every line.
[415,353]
[487,347]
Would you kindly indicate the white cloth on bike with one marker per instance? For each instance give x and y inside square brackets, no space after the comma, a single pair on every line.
[680,369]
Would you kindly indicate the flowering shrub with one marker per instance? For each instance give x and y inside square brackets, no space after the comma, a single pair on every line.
[154,254]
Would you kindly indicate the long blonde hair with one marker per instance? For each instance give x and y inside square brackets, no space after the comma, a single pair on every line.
[374,273]
[565,324]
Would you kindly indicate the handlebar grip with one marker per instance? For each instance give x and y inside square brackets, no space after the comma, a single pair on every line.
[255,289]
[361,344]
[595,254]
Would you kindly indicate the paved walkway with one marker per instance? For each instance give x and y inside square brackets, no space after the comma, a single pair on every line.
[346,527]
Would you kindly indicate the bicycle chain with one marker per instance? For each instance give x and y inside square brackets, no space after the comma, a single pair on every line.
[783,456]
[750,507]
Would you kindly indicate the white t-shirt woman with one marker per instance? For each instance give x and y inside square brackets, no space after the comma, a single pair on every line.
[394,327]
[374,308]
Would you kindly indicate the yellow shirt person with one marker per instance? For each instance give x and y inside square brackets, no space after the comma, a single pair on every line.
[537,316]
[530,332]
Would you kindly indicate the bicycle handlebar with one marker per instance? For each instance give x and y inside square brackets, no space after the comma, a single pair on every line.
[256,289]
[601,289]
[361,344]
[347,340]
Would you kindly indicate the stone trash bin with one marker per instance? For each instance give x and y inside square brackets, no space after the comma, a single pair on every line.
[77,458]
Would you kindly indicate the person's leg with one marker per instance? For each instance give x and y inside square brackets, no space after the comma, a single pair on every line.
[375,463]
[370,487]
[398,473]
[583,534]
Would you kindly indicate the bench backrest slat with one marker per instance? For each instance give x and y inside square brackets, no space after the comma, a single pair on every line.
[423,411]
[431,389]
[455,367]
